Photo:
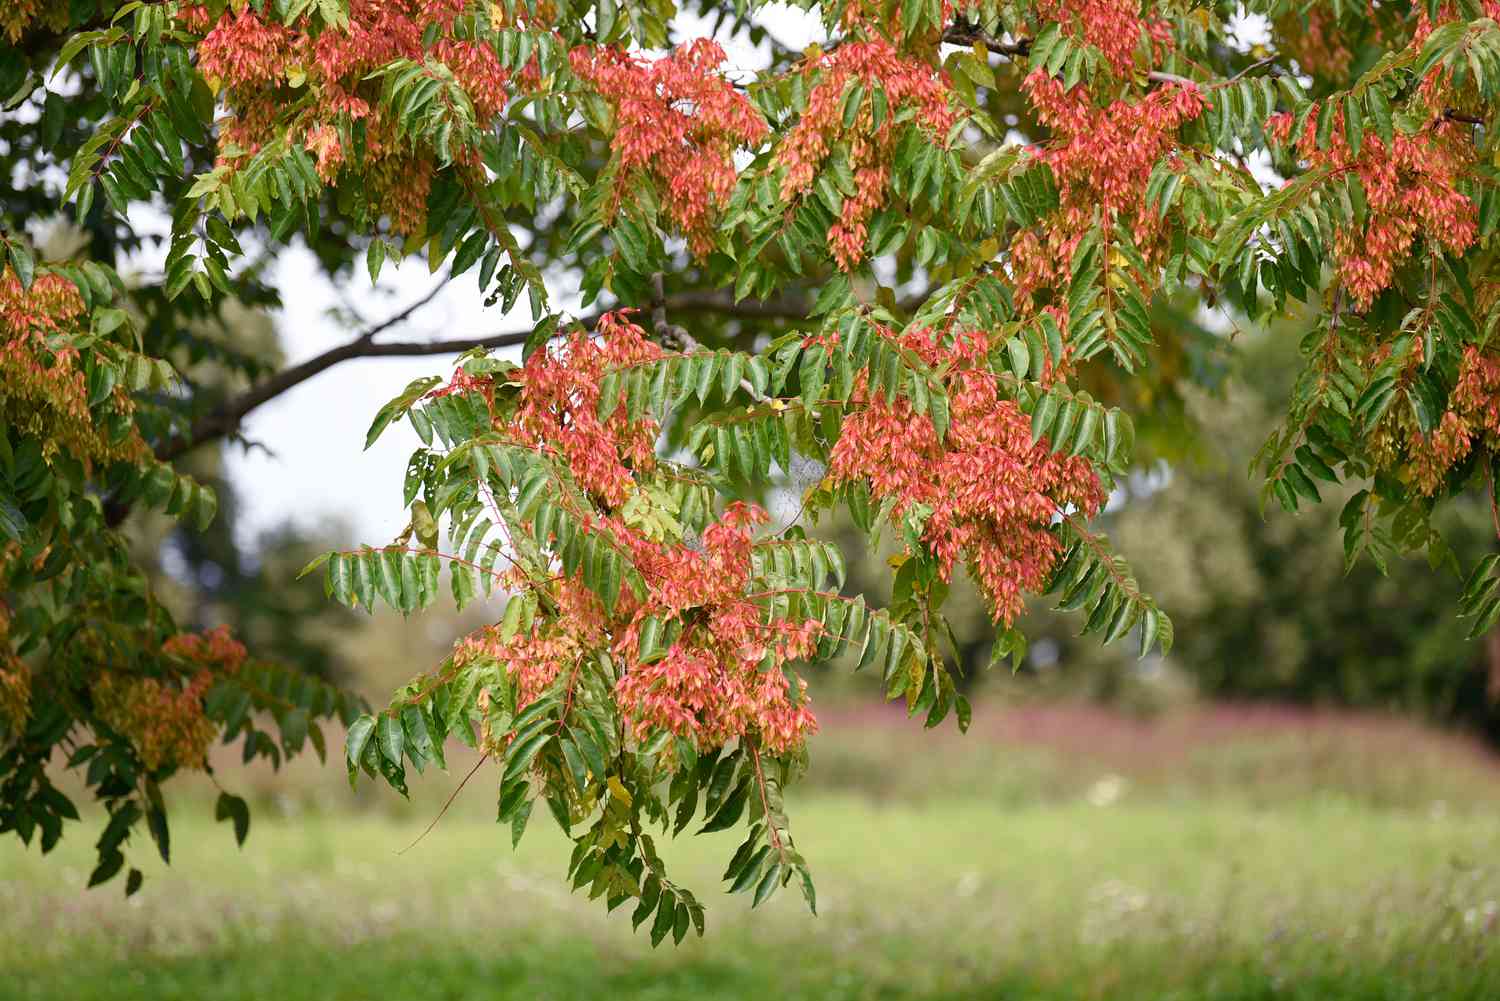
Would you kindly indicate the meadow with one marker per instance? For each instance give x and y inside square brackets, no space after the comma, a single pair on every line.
[1052,853]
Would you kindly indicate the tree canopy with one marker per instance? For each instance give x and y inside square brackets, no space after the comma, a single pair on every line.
[939,259]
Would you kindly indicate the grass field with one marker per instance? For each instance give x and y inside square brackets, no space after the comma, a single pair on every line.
[1232,858]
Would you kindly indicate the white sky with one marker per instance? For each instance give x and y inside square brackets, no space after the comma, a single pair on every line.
[313,466]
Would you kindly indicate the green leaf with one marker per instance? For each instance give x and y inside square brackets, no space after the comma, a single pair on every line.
[316,562]
[392,740]
[650,646]
[359,735]
[1042,416]
[519,757]
[767,886]
[666,915]
[400,405]
[375,259]
[23,263]
[12,522]
[469,253]
[233,808]
[730,811]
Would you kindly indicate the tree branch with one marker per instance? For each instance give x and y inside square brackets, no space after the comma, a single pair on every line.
[670,334]
[961,33]
[391,321]
[679,338]
[1268,60]
[227,417]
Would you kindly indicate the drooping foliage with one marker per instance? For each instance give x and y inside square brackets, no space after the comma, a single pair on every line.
[933,258]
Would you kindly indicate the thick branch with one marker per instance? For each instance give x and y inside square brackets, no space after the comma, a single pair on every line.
[226,419]
[965,34]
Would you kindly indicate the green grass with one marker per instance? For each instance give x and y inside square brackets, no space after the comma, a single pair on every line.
[1196,887]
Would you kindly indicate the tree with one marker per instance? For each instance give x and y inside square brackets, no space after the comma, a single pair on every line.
[901,255]
[1273,613]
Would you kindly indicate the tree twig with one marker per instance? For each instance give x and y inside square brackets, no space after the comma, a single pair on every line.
[1249,69]
[449,802]
[401,317]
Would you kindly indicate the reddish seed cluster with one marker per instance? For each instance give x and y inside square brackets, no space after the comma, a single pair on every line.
[19,16]
[991,491]
[163,721]
[244,51]
[906,82]
[27,319]
[1113,27]
[724,677]
[15,693]
[262,65]
[323,143]
[1477,395]
[163,718]
[560,403]
[1432,455]
[43,391]
[1101,159]
[1425,459]
[216,649]
[678,123]
[15,676]
[1410,188]
[533,660]
[1436,88]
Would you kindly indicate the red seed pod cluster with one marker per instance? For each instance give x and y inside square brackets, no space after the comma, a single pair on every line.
[258,65]
[163,716]
[19,16]
[163,721]
[215,649]
[990,493]
[560,404]
[45,388]
[1101,159]
[15,675]
[724,677]
[1477,395]
[678,123]
[1430,456]
[1411,190]
[870,138]
[1114,27]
